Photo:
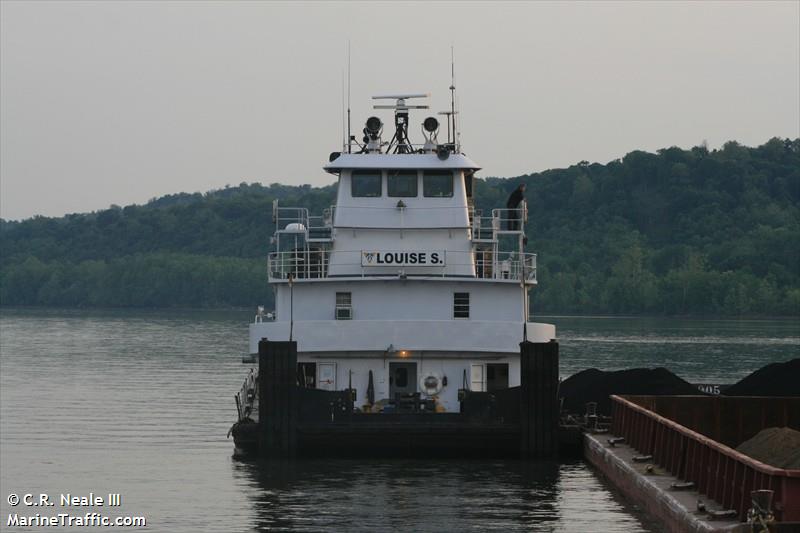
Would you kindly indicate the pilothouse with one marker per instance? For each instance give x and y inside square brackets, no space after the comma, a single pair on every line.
[402,293]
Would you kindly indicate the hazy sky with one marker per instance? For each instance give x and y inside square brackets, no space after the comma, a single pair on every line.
[115,103]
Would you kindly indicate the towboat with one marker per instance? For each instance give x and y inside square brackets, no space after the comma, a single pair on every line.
[403,296]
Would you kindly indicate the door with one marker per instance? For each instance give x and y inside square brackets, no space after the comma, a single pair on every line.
[402,379]
[496,376]
[476,380]
[327,376]
[307,375]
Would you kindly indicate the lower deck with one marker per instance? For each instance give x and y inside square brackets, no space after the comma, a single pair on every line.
[404,380]
[294,418]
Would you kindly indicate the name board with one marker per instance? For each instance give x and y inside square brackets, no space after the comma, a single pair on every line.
[404,258]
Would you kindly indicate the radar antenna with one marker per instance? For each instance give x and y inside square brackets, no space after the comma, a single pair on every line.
[400,142]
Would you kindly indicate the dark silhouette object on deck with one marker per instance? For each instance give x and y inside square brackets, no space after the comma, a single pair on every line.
[513,203]
[371,390]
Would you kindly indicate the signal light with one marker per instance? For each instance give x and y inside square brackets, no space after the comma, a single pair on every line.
[374,125]
[430,124]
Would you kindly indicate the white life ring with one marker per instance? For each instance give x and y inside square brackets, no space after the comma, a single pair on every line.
[430,383]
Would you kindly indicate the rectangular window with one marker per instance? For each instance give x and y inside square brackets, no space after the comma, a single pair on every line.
[344,299]
[344,306]
[460,305]
[401,377]
[437,184]
[402,183]
[365,183]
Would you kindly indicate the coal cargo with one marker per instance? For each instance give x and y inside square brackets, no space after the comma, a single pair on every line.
[595,385]
[776,379]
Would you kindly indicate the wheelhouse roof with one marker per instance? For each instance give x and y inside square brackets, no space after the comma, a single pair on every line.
[421,161]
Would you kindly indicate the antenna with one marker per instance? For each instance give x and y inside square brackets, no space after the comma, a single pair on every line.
[453,97]
[349,136]
[452,139]
[344,139]
[400,141]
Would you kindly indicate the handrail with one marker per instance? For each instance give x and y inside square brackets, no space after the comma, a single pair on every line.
[719,471]
[314,264]
[245,398]
[484,228]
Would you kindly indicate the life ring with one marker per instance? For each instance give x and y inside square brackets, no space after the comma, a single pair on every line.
[430,383]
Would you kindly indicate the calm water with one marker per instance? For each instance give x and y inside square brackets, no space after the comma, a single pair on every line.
[138,403]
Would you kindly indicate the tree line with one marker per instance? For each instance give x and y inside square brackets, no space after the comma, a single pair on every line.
[697,231]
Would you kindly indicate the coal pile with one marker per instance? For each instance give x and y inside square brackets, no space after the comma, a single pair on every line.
[778,447]
[595,385]
[776,379]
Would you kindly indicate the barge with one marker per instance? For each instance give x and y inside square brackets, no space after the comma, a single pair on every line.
[676,457]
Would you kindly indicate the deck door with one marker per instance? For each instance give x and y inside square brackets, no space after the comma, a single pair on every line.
[477,379]
[327,376]
[402,379]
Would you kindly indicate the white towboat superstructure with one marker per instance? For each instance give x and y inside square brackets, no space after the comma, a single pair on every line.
[402,290]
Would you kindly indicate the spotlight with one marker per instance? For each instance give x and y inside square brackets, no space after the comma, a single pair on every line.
[430,124]
[442,152]
[374,125]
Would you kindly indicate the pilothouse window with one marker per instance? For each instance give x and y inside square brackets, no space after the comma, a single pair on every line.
[402,183]
[437,184]
[365,183]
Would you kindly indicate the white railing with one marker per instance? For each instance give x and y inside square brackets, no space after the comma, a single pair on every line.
[483,228]
[486,229]
[484,264]
[299,264]
[315,227]
[511,219]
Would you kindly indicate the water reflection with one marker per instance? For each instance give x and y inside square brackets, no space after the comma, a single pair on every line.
[414,495]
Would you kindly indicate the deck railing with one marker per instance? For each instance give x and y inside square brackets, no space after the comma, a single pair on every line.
[484,264]
[719,472]
[246,397]
[317,227]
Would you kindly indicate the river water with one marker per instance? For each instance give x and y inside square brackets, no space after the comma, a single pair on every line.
[139,404]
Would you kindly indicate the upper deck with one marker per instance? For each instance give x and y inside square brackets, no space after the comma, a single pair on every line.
[402,210]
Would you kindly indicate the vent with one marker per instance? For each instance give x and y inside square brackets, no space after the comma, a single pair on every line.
[344,312]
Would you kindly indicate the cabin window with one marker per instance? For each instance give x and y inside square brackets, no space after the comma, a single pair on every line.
[402,183]
[460,305]
[401,377]
[344,306]
[437,184]
[365,183]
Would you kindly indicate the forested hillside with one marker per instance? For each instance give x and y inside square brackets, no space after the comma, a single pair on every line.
[675,232]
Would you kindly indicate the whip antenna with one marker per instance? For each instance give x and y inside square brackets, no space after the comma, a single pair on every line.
[349,135]
[452,131]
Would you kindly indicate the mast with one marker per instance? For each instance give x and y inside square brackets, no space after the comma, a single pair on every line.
[452,100]
[349,135]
